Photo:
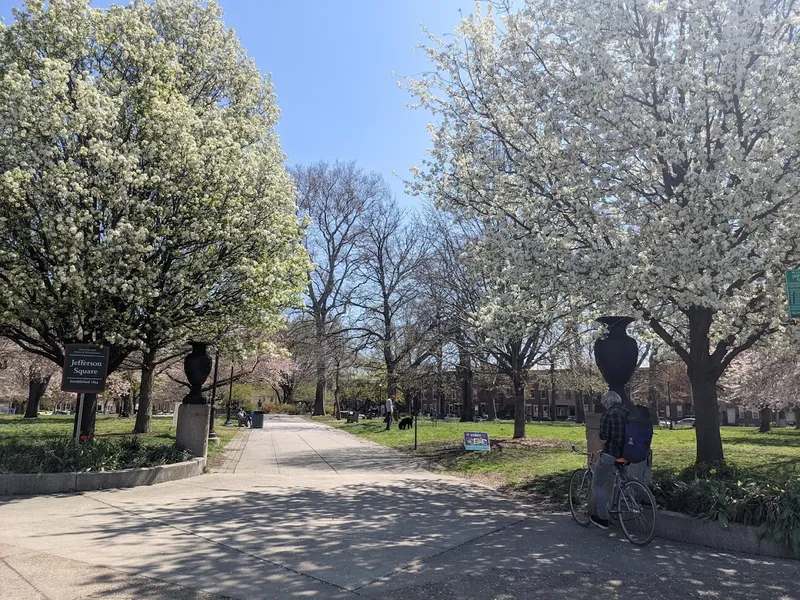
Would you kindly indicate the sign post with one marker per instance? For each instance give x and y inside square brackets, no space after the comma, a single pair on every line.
[80,420]
[85,371]
[793,292]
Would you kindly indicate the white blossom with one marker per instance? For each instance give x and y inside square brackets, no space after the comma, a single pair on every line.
[643,154]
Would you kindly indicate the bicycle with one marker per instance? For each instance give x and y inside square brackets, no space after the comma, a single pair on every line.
[632,503]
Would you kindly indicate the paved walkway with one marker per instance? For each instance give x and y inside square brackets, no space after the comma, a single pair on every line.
[306,511]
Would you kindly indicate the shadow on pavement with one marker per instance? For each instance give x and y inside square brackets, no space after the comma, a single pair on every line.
[365,532]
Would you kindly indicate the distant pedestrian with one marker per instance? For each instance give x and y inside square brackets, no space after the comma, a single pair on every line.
[389,411]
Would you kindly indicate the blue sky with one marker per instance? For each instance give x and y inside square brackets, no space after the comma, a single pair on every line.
[331,63]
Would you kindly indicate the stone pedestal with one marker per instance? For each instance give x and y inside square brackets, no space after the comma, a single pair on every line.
[192,432]
[595,444]
[593,441]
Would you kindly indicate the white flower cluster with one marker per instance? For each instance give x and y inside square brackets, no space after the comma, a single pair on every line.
[142,187]
[641,156]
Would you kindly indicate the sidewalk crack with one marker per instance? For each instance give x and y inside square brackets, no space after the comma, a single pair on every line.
[26,580]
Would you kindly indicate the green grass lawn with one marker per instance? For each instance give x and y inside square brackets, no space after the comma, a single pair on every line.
[48,427]
[538,465]
[56,426]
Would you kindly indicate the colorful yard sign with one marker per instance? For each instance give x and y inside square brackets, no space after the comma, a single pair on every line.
[474,440]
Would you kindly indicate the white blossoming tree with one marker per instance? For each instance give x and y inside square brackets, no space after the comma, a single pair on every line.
[766,378]
[647,151]
[143,195]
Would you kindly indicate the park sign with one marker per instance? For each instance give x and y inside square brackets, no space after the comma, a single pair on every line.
[85,369]
[793,292]
[474,440]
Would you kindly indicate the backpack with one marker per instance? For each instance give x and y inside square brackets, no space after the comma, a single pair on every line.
[638,434]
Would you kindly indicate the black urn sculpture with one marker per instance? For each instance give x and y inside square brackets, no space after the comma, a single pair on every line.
[616,354]
[197,366]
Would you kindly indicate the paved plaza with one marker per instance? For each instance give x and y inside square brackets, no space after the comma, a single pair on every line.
[301,510]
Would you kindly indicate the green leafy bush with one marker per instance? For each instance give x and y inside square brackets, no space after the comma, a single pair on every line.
[283,409]
[770,499]
[61,455]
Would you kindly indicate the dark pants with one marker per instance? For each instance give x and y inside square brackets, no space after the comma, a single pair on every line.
[388,420]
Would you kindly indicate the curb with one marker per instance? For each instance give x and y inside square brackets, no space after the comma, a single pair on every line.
[733,538]
[34,484]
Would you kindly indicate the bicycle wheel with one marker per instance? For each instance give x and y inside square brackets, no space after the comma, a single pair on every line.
[636,510]
[580,495]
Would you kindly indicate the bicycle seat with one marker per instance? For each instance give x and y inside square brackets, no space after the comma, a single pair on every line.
[621,462]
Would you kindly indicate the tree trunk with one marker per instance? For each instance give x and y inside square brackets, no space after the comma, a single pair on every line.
[143,424]
[127,406]
[319,394]
[703,376]
[87,418]
[552,389]
[391,382]
[288,393]
[440,381]
[652,388]
[491,407]
[519,406]
[337,412]
[580,416]
[709,441]
[765,415]
[37,385]
[467,404]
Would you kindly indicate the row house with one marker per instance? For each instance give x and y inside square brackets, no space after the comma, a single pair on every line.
[673,400]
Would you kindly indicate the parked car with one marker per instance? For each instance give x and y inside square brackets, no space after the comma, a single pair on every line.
[687,421]
[663,422]
[571,419]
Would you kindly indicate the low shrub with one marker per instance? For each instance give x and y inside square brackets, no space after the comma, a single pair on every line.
[279,408]
[61,455]
[725,494]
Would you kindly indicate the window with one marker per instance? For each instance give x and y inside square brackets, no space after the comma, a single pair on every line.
[535,410]
[679,410]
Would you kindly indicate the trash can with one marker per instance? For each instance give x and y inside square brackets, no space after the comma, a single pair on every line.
[258,419]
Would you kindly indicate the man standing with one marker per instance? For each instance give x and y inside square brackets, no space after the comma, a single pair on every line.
[612,432]
[389,410]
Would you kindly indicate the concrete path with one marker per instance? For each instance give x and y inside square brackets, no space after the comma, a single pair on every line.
[300,510]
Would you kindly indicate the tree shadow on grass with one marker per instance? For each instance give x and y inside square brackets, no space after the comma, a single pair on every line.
[550,492]
[763,439]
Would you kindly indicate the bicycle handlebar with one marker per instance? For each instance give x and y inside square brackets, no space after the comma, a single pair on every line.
[592,455]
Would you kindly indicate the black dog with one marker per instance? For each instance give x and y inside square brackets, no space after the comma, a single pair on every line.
[406,422]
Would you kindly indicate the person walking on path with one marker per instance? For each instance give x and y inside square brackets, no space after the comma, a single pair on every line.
[389,410]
